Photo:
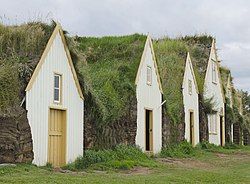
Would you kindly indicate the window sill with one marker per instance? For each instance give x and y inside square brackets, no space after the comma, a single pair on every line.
[57,103]
[54,106]
[213,133]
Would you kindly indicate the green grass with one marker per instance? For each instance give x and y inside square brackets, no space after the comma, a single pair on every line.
[108,73]
[171,56]
[121,157]
[182,150]
[185,149]
[9,84]
[20,50]
[208,167]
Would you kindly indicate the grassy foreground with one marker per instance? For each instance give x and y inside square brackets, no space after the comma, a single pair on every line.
[204,167]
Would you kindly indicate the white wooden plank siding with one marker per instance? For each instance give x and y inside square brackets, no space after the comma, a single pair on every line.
[191,102]
[148,97]
[40,97]
[214,90]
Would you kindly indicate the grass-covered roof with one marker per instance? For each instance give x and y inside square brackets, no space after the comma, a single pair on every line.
[20,50]
[171,57]
[237,99]
[225,73]
[109,71]
[236,96]
[199,48]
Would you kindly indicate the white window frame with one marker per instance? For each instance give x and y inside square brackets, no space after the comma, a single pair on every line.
[213,123]
[214,76]
[59,88]
[149,75]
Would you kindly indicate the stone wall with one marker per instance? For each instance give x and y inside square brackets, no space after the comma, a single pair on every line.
[204,136]
[237,139]
[15,139]
[228,123]
[246,137]
[172,133]
[110,134]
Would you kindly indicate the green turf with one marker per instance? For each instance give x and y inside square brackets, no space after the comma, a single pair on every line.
[206,167]
[20,50]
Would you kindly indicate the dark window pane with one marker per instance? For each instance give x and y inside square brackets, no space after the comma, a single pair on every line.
[56,94]
[56,84]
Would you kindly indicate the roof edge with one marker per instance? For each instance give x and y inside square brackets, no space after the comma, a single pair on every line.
[149,41]
[57,29]
[189,61]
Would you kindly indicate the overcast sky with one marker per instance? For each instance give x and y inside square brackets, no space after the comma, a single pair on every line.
[227,20]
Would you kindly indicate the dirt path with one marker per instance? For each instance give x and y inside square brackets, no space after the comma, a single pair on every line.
[138,171]
[194,163]
[187,163]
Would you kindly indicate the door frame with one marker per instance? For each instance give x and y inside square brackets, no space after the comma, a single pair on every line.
[191,130]
[151,135]
[222,131]
[54,107]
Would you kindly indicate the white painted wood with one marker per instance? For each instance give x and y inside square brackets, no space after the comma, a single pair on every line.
[40,97]
[191,102]
[215,90]
[148,97]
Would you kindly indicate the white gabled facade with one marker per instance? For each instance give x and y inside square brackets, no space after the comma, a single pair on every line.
[213,89]
[149,97]
[191,104]
[40,99]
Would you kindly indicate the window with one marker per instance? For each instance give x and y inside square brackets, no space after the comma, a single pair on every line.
[212,120]
[149,75]
[57,88]
[214,77]
[190,87]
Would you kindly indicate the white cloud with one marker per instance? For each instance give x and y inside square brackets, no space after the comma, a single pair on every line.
[228,20]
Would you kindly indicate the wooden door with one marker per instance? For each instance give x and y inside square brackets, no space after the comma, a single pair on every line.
[57,138]
[191,120]
[149,130]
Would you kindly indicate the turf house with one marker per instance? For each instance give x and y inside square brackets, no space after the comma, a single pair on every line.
[41,102]
[213,90]
[210,86]
[241,125]
[180,92]
[238,125]
[246,116]
[246,135]
[191,103]
[233,113]
[237,128]
[123,94]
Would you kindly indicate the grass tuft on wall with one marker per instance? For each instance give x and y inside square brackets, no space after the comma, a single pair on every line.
[21,47]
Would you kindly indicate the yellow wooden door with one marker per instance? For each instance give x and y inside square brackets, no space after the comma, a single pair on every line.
[148,130]
[57,138]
